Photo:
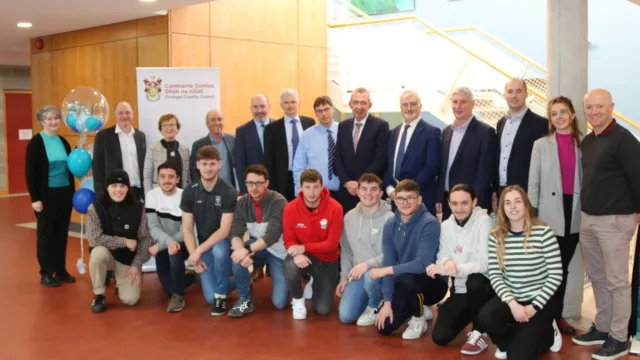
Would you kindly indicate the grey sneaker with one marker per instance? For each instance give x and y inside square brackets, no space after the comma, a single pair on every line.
[176,303]
[592,337]
[240,308]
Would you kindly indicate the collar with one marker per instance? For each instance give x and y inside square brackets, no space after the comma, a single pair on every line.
[464,126]
[257,202]
[608,129]
[333,128]
[518,116]
[287,118]
[362,121]
[119,130]
[258,123]
[214,140]
[412,124]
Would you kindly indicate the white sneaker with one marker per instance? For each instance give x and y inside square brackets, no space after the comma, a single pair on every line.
[417,327]
[557,338]
[368,317]
[500,354]
[299,309]
[308,290]
[427,313]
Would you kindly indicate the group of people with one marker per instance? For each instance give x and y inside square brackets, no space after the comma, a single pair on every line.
[353,206]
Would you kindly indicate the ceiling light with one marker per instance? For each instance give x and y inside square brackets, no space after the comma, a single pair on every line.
[24,25]
[147,1]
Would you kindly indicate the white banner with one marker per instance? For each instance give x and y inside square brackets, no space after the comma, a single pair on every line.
[188,93]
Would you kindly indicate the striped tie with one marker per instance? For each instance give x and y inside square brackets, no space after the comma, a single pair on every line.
[356,135]
[332,153]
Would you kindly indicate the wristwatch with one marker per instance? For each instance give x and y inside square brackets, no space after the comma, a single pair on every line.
[248,248]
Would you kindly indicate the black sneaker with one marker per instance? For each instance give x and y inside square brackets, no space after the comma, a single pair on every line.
[240,308]
[219,306]
[592,337]
[49,281]
[98,304]
[611,349]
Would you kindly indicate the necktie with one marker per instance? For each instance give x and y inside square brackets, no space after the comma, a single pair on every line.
[295,138]
[332,152]
[356,135]
[400,156]
[262,125]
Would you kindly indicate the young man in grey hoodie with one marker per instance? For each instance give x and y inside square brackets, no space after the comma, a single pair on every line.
[361,251]
[463,256]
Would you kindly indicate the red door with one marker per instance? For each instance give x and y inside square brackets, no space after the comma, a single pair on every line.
[17,117]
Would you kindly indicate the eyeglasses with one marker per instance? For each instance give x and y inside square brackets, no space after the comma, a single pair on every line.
[562,112]
[409,200]
[169,126]
[255,183]
[409,104]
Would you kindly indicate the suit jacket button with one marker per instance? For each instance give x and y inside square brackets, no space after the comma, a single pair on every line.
[553,194]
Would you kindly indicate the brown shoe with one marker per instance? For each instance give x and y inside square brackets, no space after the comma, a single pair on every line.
[565,327]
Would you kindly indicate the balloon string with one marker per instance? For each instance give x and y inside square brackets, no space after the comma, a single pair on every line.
[81,237]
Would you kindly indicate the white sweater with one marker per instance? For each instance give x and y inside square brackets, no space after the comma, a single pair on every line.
[466,246]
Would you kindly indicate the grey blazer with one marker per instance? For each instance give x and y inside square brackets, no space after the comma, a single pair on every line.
[545,185]
[229,141]
[156,155]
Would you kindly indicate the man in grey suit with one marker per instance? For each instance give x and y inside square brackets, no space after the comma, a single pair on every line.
[223,142]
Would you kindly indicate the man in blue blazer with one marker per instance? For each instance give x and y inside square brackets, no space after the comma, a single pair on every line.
[361,147]
[223,142]
[468,154]
[249,147]
[413,151]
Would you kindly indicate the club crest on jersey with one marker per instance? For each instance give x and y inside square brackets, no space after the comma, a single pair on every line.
[217,201]
[324,223]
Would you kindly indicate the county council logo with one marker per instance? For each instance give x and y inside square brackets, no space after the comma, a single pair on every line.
[152,88]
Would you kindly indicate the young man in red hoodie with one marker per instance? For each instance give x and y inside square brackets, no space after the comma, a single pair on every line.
[312,225]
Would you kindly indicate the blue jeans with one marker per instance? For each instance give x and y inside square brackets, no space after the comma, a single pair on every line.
[357,295]
[216,278]
[279,289]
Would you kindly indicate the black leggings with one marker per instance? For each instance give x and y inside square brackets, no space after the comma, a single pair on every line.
[567,244]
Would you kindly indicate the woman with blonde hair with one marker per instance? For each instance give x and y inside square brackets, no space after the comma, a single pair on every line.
[555,179]
[525,271]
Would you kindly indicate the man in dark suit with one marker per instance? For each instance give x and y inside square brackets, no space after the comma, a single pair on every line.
[468,154]
[119,147]
[249,146]
[361,147]
[223,142]
[413,151]
[281,139]
[517,131]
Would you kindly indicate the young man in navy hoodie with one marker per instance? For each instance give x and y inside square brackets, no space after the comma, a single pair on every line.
[410,242]
[312,226]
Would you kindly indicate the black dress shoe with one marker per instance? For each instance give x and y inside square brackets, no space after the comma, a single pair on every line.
[65,278]
[49,281]
[98,305]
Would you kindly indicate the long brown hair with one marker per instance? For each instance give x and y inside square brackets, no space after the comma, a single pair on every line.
[501,231]
[575,131]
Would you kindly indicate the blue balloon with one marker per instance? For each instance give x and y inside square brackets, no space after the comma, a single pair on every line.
[72,120]
[82,199]
[87,184]
[79,162]
[93,123]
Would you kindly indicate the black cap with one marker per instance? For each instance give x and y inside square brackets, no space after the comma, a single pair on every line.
[118,176]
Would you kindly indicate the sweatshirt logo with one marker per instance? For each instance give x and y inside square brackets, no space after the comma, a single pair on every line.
[324,223]
[374,231]
[217,201]
[458,250]
[301,226]
[126,226]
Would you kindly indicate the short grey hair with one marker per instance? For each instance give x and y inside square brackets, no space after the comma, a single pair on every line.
[42,113]
[361,90]
[463,90]
[289,91]
[408,92]
[206,117]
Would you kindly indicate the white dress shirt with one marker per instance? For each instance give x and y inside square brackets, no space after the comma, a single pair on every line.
[129,156]
[509,131]
[412,127]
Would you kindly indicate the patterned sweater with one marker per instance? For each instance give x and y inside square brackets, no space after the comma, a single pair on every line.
[528,275]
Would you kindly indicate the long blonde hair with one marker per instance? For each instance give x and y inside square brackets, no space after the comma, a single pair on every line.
[501,231]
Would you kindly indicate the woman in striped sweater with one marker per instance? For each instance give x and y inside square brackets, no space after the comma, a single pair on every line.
[525,271]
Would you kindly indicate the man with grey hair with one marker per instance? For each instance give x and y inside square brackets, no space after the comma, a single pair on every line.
[413,151]
[223,142]
[468,153]
[281,140]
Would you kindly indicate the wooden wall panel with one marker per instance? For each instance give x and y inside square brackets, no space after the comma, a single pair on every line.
[153,51]
[41,84]
[190,51]
[113,32]
[192,20]
[312,22]
[154,25]
[313,76]
[268,21]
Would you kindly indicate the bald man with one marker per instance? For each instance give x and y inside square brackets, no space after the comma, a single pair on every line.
[249,148]
[223,142]
[610,213]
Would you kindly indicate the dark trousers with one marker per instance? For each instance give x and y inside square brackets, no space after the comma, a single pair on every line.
[461,309]
[567,244]
[290,188]
[53,230]
[325,280]
[410,293]
[347,200]
[138,192]
[522,341]
[446,210]
[171,270]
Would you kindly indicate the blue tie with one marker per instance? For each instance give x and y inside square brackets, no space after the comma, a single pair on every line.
[400,156]
[332,152]
[295,138]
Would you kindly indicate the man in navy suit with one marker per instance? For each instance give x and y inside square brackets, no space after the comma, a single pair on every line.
[362,147]
[517,131]
[468,154]
[249,147]
[413,151]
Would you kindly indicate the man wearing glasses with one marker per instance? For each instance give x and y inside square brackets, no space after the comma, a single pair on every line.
[258,212]
[410,242]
